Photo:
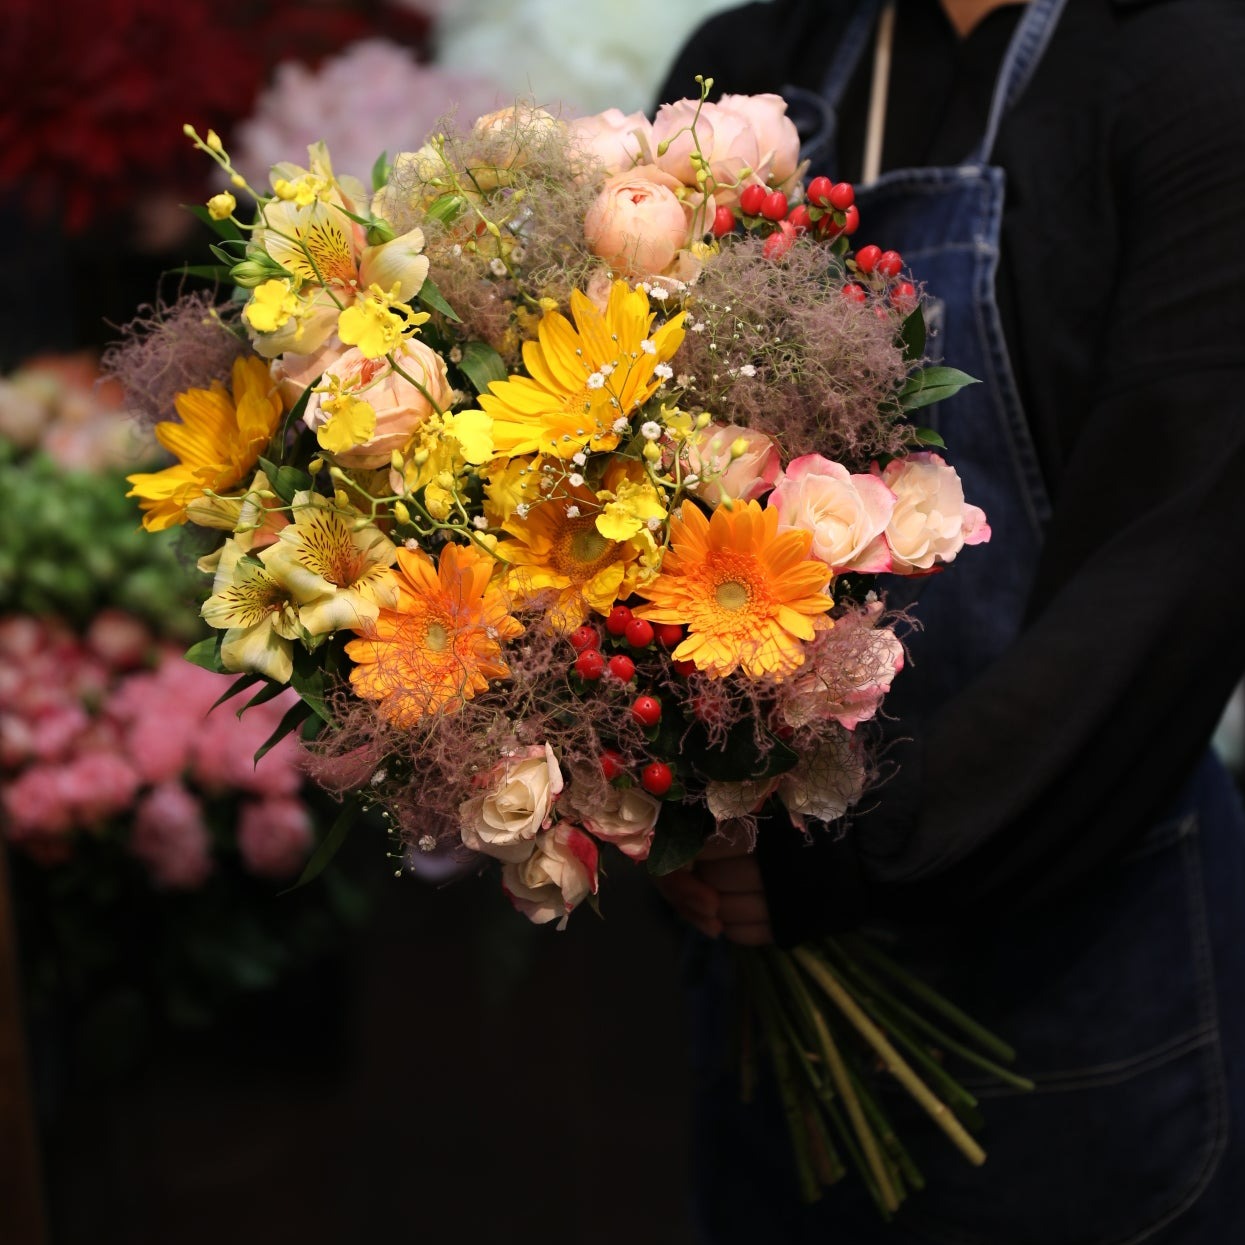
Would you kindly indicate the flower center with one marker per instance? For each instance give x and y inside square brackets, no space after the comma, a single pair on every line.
[581,551]
[436,637]
[588,544]
[732,595]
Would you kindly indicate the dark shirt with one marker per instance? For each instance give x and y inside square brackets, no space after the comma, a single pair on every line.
[1121,290]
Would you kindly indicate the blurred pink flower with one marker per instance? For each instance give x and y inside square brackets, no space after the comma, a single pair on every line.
[98,785]
[171,839]
[274,837]
[34,805]
[119,639]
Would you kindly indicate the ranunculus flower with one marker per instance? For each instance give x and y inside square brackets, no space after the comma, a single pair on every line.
[777,139]
[556,877]
[614,139]
[931,521]
[638,224]
[845,513]
[626,817]
[721,473]
[504,821]
[399,405]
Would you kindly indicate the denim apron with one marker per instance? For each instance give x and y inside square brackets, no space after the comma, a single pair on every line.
[1126,1000]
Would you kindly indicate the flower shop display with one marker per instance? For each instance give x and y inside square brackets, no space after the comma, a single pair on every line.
[560,473]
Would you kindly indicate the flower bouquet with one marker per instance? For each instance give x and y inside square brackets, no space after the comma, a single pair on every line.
[556,472]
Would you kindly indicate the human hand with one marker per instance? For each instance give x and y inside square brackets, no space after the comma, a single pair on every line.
[720,893]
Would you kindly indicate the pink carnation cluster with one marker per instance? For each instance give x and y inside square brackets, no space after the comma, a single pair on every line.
[113,729]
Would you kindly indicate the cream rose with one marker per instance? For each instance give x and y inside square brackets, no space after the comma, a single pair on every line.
[556,878]
[777,139]
[400,406]
[931,521]
[613,139]
[730,461]
[638,224]
[626,817]
[504,821]
[846,514]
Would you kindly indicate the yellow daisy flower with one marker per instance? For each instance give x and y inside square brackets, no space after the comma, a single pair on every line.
[218,441]
[441,643]
[556,550]
[583,378]
[749,595]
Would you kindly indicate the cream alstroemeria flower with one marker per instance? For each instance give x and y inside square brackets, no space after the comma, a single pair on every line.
[337,574]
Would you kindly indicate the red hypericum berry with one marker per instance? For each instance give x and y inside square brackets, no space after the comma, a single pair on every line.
[750,199]
[903,295]
[780,241]
[818,192]
[590,665]
[584,637]
[669,635]
[612,764]
[723,222]
[774,205]
[842,195]
[646,710]
[684,668]
[890,263]
[828,227]
[656,778]
[622,667]
[799,217]
[639,633]
[867,258]
[853,292]
[616,622]
[852,219]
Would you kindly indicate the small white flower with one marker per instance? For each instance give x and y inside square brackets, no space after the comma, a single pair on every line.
[660,293]
[650,430]
[456,250]
[596,380]
[575,480]
[410,543]
[654,524]
[607,369]
[685,380]
[698,327]
[480,523]
[748,370]
[664,370]
[620,426]
[517,254]
[497,267]
[456,354]
[521,509]
[579,459]
[647,346]
[427,843]
[572,512]
[691,481]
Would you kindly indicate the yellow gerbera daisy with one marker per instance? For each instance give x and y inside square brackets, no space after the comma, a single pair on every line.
[748,594]
[583,378]
[441,643]
[218,441]
[557,549]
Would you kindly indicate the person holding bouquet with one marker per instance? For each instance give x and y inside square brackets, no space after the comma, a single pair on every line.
[1055,846]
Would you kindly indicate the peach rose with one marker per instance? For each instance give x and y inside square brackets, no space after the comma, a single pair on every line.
[505,821]
[725,139]
[556,878]
[613,139]
[626,817]
[512,132]
[638,224]
[777,140]
[931,521]
[399,405]
[730,461]
[845,513]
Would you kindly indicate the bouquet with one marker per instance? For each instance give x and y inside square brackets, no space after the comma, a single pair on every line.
[557,473]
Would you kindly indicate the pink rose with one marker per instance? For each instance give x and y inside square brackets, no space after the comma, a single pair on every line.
[734,462]
[777,139]
[171,839]
[505,820]
[724,138]
[274,837]
[556,878]
[613,139]
[294,372]
[931,521]
[638,224]
[845,513]
[400,406]
[626,817]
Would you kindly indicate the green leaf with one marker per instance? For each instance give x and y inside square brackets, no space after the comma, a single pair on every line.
[912,335]
[680,834]
[277,444]
[482,365]
[310,680]
[381,170]
[327,848]
[236,688]
[927,436]
[223,254]
[933,384]
[225,228]
[285,481]
[295,715]
[207,654]
[270,691]
[432,298]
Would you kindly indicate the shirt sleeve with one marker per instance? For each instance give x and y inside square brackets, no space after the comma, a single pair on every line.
[1083,732]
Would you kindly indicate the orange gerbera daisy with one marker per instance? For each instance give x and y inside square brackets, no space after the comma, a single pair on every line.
[219,440]
[749,595]
[583,378]
[441,643]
